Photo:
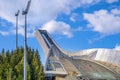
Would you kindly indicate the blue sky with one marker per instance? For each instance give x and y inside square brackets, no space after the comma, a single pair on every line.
[74,24]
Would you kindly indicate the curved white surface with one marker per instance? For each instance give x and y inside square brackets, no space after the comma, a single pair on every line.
[107,55]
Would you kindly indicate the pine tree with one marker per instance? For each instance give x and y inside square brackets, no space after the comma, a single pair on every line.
[11,65]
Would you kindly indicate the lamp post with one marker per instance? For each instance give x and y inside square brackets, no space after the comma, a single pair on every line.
[17,14]
[24,12]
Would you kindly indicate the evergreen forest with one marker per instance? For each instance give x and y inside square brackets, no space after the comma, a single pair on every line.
[11,65]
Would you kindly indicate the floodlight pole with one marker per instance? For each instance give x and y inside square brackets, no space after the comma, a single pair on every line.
[25,49]
[25,40]
[17,14]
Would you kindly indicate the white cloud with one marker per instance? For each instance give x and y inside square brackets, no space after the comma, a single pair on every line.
[2,23]
[115,12]
[4,33]
[12,31]
[40,11]
[30,31]
[117,47]
[77,29]
[104,22]
[58,27]
[112,1]
[90,41]
[74,17]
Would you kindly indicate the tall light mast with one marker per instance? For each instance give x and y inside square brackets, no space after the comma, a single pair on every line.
[24,12]
[17,14]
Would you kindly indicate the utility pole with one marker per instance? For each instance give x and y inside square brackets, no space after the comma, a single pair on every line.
[17,14]
[24,12]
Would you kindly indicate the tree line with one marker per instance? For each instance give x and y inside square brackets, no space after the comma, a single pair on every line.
[11,65]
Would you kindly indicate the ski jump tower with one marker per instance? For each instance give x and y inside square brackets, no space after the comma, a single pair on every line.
[82,65]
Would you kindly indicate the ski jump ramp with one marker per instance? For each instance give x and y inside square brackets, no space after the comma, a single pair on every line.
[90,64]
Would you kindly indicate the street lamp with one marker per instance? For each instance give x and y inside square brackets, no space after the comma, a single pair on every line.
[17,14]
[24,12]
